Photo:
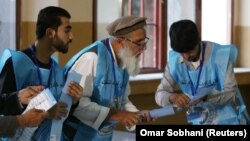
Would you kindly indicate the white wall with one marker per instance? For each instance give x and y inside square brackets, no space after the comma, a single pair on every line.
[243,17]
[7,25]
[80,10]
[30,8]
[107,11]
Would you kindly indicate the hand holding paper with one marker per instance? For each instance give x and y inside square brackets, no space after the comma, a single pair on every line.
[44,101]
[202,92]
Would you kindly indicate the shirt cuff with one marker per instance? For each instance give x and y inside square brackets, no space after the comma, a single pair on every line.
[102,116]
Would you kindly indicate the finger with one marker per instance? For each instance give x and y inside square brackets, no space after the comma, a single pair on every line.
[38,110]
[75,89]
[44,114]
[61,104]
[76,85]
[37,88]
[31,92]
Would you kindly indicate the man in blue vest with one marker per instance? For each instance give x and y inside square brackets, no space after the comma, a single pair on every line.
[203,72]
[105,67]
[32,118]
[35,66]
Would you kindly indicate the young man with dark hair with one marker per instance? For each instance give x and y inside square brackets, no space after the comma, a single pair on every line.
[203,72]
[35,66]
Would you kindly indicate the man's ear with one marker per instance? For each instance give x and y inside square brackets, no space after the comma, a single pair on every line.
[50,33]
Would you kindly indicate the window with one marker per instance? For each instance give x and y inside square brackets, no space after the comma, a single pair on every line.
[217,23]
[160,15]
[154,58]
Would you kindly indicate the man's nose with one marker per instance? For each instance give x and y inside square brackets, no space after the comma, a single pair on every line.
[185,55]
[71,36]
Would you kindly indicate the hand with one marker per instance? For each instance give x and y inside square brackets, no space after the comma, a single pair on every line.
[126,118]
[180,99]
[145,116]
[26,94]
[32,118]
[58,111]
[75,90]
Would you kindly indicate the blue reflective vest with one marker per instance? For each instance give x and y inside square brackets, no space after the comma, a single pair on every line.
[26,75]
[212,76]
[103,91]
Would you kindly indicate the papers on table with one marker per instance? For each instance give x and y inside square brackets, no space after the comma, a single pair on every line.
[44,101]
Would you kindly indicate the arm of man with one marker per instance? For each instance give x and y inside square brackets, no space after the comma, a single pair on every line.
[8,126]
[86,66]
[166,92]
[10,104]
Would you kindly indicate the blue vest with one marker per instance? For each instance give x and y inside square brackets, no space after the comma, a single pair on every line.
[212,76]
[103,91]
[26,75]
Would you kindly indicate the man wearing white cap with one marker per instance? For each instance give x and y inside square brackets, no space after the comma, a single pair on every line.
[105,67]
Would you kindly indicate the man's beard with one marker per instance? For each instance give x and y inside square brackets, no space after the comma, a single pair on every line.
[131,62]
[60,46]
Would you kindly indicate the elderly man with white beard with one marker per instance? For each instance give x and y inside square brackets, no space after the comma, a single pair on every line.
[105,67]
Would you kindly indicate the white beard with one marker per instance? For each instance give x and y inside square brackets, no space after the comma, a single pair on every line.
[129,61]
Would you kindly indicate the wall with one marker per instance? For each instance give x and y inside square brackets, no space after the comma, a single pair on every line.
[7,25]
[81,13]
[242,31]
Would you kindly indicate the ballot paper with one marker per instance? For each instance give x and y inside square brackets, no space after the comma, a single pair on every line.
[56,129]
[161,112]
[202,92]
[44,101]
[72,76]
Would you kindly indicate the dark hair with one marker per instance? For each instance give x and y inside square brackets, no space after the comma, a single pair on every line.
[184,36]
[49,17]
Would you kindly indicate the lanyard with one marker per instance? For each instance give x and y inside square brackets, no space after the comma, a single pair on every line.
[117,93]
[194,89]
[38,68]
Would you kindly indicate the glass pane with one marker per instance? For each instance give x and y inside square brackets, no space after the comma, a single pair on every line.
[125,8]
[221,13]
[149,9]
[148,57]
[7,25]
[136,7]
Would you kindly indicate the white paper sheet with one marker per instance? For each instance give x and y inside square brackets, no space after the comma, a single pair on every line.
[202,92]
[44,101]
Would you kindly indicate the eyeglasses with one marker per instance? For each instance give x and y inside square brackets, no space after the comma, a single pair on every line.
[140,43]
